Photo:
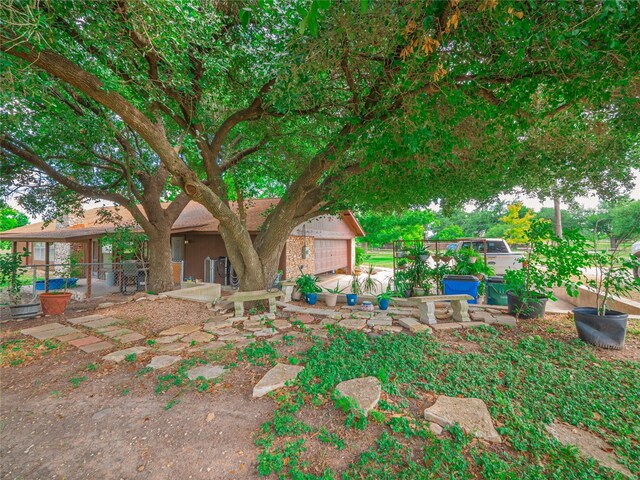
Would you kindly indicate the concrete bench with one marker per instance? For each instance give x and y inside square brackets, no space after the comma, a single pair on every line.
[427,307]
[239,298]
[287,288]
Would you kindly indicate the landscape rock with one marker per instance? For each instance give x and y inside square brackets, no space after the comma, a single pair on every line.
[224,332]
[180,329]
[588,444]
[262,316]
[209,372]
[265,332]
[379,321]
[121,354]
[413,325]
[503,320]
[276,378]
[353,323]
[162,361]
[217,325]
[304,318]
[169,339]
[445,326]
[470,413]
[435,428]
[365,392]
[198,337]
[389,328]
[172,347]
[281,324]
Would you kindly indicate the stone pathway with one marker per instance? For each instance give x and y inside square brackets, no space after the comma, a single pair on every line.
[276,378]
[73,336]
[470,413]
[365,392]
[589,445]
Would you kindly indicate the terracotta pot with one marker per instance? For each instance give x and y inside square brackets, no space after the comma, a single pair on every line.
[54,303]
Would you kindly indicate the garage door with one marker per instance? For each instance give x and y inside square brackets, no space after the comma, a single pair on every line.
[330,254]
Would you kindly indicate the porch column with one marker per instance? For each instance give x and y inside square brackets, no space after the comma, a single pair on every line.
[88,255]
[46,267]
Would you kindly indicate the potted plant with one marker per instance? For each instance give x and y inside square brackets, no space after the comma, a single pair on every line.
[550,262]
[384,298]
[331,297]
[307,284]
[11,269]
[355,289]
[55,303]
[369,284]
[599,325]
[402,283]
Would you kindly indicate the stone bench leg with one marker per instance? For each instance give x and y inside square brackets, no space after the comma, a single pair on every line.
[460,310]
[288,291]
[272,305]
[239,309]
[427,313]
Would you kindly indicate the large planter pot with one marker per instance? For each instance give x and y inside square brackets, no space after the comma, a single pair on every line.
[383,303]
[54,303]
[352,299]
[311,298]
[530,308]
[296,295]
[606,331]
[21,312]
[331,299]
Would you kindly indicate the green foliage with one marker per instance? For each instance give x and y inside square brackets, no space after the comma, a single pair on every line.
[361,256]
[125,243]
[612,276]
[308,283]
[131,357]
[450,232]
[76,381]
[10,218]
[549,262]
[11,271]
[258,353]
[384,228]
[518,222]
[625,220]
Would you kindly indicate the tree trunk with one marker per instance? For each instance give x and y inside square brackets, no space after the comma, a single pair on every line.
[557,215]
[160,278]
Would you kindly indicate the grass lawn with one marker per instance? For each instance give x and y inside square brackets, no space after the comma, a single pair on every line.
[379,258]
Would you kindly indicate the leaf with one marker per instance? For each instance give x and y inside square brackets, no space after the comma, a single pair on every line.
[364,6]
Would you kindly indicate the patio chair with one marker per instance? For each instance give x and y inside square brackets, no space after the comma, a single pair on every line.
[129,276]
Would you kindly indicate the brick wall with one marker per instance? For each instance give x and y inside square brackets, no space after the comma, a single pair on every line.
[293,251]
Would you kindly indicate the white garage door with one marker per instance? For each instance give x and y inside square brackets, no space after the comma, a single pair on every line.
[330,254]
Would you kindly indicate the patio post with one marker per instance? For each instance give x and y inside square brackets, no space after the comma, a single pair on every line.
[89,255]
[46,267]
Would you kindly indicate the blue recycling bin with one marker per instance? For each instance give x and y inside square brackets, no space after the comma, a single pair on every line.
[461,284]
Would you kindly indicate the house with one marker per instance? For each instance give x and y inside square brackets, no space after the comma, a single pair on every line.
[322,244]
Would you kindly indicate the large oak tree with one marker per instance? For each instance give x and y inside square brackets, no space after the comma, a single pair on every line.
[334,104]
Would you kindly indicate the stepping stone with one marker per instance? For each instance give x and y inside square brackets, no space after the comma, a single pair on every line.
[262,316]
[212,345]
[112,328]
[70,336]
[379,321]
[364,314]
[223,332]
[81,342]
[364,391]
[330,321]
[184,329]
[101,322]
[198,337]
[169,339]
[56,332]
[503,320]
[42,328]
[353,323]
[445,326]
[129,337]
[435,428]
[589,445]
[266,332]
[414,325]
[120,354]
[320,333]
[209,372]
[96,347]
[480,315]
[304,318]
[236,337]
[470,413]
[172,347]
[252,326]
[116,332]
[276,378]
[213,326]
[281,324]
[162,361]
[87,318]
[389,328]
[472,324]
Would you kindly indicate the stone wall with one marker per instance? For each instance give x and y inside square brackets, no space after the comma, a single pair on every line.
[293,250]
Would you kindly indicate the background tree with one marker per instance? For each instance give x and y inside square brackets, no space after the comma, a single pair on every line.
[383,228]
[334,102]
[518,222]
[10,218]
[625,221]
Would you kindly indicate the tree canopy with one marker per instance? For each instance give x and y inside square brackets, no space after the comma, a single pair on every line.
[329,104]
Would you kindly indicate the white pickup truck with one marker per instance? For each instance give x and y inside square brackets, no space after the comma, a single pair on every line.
[499,254]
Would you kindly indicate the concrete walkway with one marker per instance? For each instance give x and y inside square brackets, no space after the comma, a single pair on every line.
[205,293]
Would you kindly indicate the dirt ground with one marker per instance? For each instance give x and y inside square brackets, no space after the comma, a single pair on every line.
[66,414]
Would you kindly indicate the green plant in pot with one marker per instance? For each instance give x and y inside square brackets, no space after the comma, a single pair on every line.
[369,284]
[331,297]
[470,262]
[307,285]
[11,274]
[549,262]
[402,283]
[600,325]
[385,297]
[354,289]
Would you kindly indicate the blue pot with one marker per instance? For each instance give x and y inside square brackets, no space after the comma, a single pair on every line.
[312,298]
[352,299]
[383,303]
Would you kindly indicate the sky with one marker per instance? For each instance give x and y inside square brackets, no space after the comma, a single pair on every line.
[531,202]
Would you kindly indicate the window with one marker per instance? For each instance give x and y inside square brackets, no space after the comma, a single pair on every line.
[38,251]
